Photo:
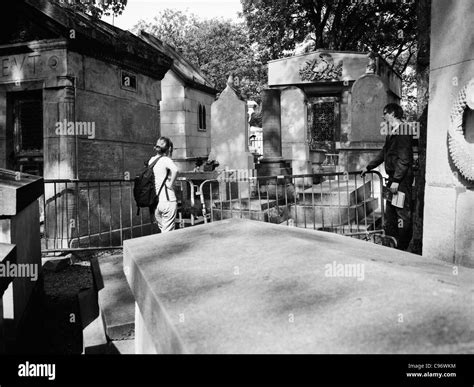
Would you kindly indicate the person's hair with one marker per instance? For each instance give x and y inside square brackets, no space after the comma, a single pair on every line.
[164,149]
[394,108]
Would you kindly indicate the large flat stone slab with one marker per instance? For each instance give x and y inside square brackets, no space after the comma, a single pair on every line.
[241,286]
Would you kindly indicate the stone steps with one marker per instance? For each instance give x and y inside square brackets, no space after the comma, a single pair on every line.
[332,215]
[343,193]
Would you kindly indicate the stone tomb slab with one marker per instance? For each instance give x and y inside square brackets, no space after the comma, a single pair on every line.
[240,286]
[342,193]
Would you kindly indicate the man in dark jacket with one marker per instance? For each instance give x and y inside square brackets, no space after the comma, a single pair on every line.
[397,154]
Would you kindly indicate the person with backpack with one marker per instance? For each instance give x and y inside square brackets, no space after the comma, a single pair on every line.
[165,172]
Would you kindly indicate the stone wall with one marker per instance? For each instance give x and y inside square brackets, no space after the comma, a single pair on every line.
[172,111]
[126,122]
[198,142]
[180,120]
[449,199]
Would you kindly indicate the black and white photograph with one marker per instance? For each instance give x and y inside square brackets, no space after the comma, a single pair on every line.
[311,163]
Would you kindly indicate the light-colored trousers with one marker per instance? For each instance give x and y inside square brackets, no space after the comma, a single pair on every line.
[165,215]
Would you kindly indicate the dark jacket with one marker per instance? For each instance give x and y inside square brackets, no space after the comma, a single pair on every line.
[397,153]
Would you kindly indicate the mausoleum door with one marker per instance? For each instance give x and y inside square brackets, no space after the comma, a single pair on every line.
[25,132]
[323,123]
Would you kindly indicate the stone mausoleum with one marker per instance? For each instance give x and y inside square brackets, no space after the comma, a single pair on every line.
[79,99]
[75,93]
[187,96]
[331,104]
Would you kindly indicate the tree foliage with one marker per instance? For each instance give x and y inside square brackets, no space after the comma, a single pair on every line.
[218,47]
[104,7]
[347,25]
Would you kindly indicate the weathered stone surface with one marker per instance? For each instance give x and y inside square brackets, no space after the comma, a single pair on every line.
[330,215]
[18,191]
[229,123]
[451,45]
[369,96]
[336,193]
[294,117]
[447,229]
[116,301]
[465,227]
[238,286]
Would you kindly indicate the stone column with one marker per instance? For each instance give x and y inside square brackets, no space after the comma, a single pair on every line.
[271,123]
[272,162]
[449,195]
[60,162]
[60,150]
[294,128]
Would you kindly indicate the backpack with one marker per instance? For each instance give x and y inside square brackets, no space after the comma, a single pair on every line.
[144,190]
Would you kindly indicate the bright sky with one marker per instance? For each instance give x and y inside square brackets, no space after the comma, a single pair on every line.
[147,9]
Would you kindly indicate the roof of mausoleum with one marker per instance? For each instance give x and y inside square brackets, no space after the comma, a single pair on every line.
[36,20]
[185,70]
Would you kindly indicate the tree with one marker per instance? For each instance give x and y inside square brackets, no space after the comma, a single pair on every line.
[384,27]
[217,47]
[105,7]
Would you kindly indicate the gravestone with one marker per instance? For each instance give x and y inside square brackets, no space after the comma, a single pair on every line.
[272,162]
[364,137]
[294,121]
[449,192]
[229,130]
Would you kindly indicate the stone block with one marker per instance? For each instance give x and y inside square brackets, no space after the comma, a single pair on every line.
[294,116]
[465,228]
[125,120]
[172,92]
[301,167]
[173,117]
[192,119]
[369,96]
[18,191]
[229,140]
[344,193]
[457,43]
[172,104]
[277,294]
[106,154]
[439,223]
